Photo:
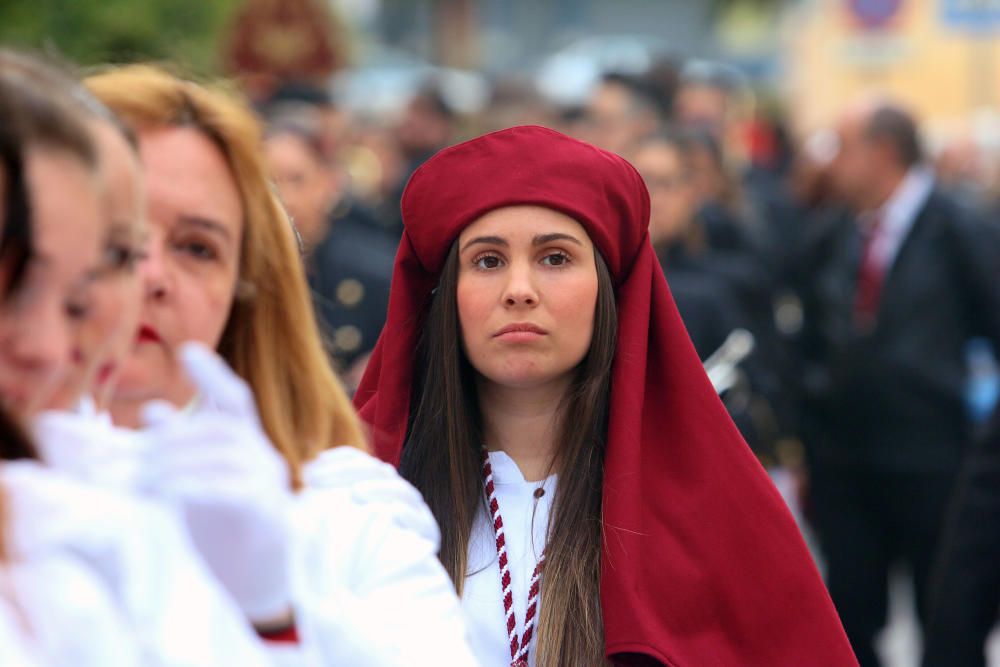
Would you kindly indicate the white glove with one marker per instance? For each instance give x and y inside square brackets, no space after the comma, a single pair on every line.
[88,447]
[216,464]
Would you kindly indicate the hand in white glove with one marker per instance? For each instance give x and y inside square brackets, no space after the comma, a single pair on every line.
[216,464]
[88,447]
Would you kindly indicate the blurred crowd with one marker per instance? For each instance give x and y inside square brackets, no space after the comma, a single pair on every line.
[842,287]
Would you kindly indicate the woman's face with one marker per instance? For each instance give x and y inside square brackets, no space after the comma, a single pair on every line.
[39,324]
[189,277]
[107,338]
[672,198]
[527,291]
[306,185]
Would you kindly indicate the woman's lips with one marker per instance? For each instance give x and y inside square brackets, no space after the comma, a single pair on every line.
[520,332]
[147,334]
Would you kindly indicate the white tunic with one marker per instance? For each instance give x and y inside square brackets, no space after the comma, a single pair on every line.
[54,610]
[369,589]
[525,522]
[367,586]
[102,578]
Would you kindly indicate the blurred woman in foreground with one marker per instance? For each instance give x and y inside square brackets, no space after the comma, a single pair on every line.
[93,577]
[346,568]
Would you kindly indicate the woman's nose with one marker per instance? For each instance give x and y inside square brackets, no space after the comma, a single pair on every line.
[521,289]
[155,273]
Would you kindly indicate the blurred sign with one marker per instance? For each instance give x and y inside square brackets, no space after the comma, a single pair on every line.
[974,14]
[873,14]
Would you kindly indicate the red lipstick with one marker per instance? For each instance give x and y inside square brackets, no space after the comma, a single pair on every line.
[147,334]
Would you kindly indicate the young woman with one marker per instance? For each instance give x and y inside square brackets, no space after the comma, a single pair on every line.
[596,503]
[74,433]
[347,568]
[90,577]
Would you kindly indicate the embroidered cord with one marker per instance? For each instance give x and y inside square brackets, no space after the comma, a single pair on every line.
[518,647]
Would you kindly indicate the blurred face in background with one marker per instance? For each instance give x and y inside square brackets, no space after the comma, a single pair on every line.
[196,219]
[306,184]
[856,163]
[424,127]
[40,323]
[375,165]
[106,339]
[673,201]
[617,118]
[708,174]
[704,107]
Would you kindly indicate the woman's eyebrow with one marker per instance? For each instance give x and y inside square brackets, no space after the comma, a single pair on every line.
[207,224]
[542,239]
[486,240]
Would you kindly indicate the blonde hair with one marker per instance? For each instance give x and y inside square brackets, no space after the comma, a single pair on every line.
[271,338]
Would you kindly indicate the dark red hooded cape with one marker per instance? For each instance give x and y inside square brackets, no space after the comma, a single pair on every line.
[702,563]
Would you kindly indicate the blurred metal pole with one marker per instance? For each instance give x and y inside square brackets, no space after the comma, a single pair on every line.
[456,33]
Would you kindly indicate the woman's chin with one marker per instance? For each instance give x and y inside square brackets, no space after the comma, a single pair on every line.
[525,376]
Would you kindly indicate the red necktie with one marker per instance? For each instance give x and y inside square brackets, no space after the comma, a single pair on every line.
[870,276]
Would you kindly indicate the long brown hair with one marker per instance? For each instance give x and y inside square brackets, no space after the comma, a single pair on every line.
[443,454]
[271,338]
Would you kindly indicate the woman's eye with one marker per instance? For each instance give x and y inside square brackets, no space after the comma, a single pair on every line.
[77,310]
[198,250]
[122,257]
[487,262]
[556,259]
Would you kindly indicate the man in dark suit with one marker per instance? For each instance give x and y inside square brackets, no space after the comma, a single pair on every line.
[905,284]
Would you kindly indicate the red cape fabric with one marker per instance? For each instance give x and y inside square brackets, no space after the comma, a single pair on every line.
[702,562]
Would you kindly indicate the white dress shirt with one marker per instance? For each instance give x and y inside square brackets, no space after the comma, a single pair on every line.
[525,522]
[898,214]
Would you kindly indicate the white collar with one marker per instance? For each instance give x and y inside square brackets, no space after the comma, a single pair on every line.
[899,213]
[506,471]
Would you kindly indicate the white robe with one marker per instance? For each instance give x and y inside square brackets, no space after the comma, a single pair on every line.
[367,586]
[525,522]
[97,577]
[369,589]
[54,610]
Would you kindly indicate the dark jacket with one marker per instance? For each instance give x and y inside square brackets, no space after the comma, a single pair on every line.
[965,588]
[349,274]
[893,395]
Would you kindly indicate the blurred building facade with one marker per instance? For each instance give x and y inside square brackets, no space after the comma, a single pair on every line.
[940,57]
[517,33]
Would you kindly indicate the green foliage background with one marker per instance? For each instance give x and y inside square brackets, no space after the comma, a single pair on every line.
[90,32]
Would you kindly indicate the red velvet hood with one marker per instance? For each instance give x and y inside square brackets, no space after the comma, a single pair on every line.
[702,562]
